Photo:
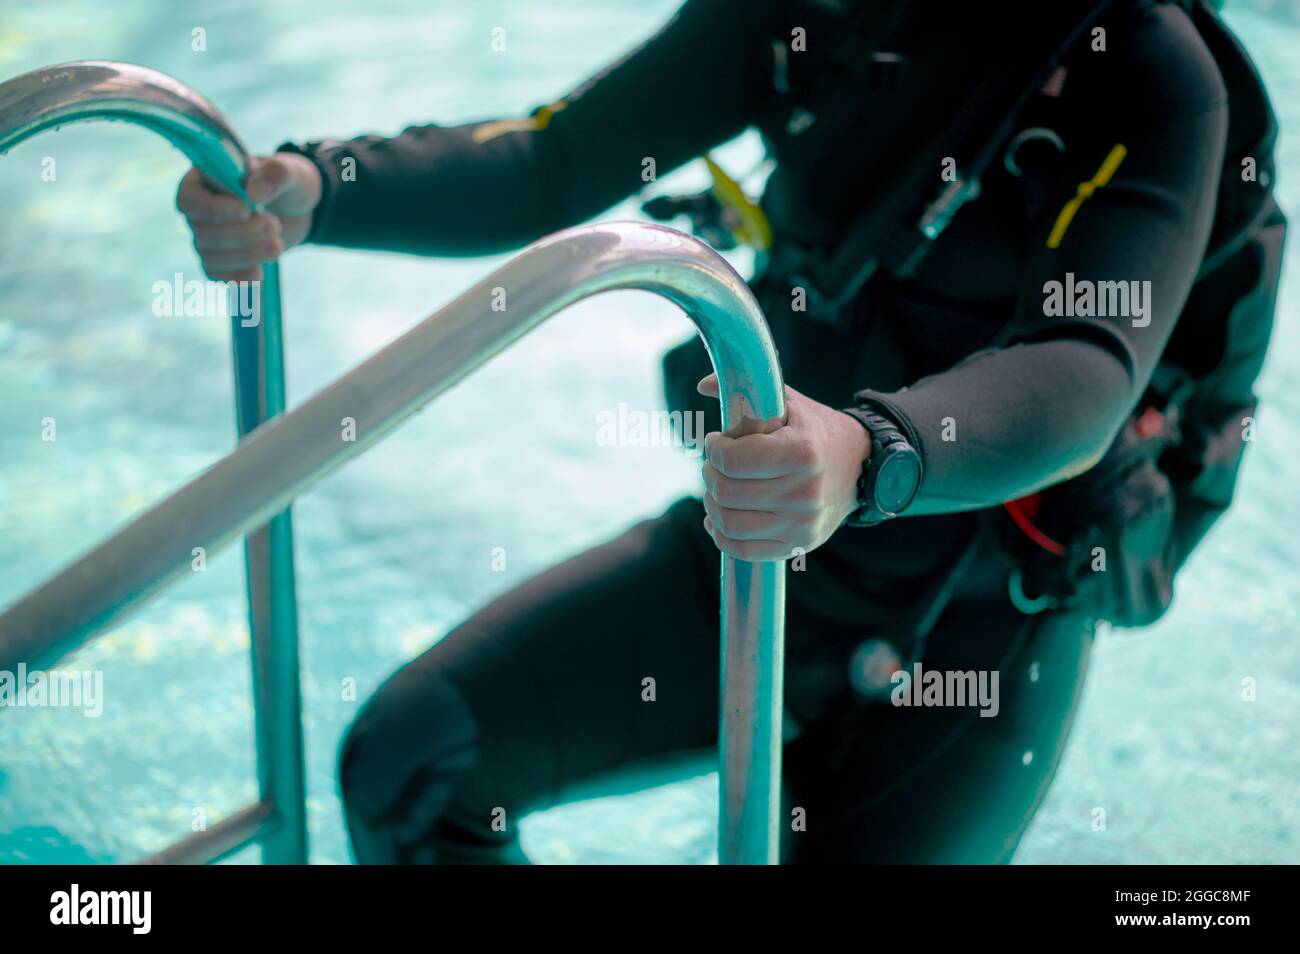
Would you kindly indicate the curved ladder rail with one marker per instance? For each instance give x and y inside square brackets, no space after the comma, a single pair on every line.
[76,92]
[283,458]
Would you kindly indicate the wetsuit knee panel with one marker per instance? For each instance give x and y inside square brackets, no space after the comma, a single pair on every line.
[413,741]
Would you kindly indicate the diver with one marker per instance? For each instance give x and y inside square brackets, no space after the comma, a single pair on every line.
[974,480]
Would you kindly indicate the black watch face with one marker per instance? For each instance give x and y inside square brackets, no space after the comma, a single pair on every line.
[897,481]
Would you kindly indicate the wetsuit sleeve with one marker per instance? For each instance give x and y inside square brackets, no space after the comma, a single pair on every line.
[491,186]
[1012,420]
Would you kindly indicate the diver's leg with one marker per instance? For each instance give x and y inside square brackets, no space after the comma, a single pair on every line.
[943,785]
[543,686]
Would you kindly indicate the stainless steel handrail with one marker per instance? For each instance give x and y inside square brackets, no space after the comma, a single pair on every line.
[283,458]
[76,92]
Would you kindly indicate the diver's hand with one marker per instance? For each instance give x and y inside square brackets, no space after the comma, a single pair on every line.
[768,494]
[231,239]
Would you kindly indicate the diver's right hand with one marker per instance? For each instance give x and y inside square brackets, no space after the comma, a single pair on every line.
[232,240]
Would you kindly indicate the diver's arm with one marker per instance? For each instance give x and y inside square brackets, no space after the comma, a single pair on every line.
[1010,421]
[488,187]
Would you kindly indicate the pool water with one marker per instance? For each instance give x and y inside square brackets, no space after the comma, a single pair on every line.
[397,547]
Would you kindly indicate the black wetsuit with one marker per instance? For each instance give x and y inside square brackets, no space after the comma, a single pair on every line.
[544,686]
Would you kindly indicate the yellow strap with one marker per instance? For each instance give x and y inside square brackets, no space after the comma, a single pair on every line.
[534,123]
[1086,189]
[754,228]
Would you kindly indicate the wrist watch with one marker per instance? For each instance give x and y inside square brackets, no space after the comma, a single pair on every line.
[891,475]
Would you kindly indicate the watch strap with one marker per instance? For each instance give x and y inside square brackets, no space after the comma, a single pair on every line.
[884,434]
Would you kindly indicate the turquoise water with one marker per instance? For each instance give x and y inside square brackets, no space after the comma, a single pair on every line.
[396,548]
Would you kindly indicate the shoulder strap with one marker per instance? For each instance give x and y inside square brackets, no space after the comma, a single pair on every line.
[872,243]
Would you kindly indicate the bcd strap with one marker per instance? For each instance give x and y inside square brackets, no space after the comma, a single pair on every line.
[974,136]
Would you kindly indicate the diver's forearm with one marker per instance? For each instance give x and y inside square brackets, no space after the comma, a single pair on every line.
[436,191]
[1012,422]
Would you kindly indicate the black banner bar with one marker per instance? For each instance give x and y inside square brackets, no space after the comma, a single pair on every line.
[255,904]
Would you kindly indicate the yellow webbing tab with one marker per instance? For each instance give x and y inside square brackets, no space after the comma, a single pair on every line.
[534,123]
[1086,189]
[754,229]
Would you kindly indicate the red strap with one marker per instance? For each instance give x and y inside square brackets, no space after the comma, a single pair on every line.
[1023,511]
[1151,423]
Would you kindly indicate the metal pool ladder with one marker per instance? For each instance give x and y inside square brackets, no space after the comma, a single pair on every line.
[281,455]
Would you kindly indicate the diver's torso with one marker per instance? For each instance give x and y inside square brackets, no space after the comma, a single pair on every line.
[968,285]
[971,279]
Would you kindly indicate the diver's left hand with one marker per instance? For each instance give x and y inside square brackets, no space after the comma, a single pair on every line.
[770,494]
